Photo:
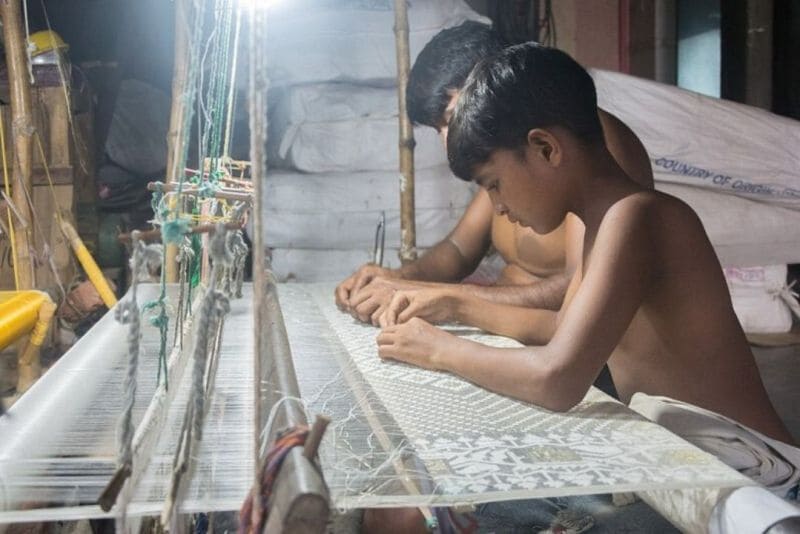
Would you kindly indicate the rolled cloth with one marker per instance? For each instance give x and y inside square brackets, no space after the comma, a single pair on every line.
[772,463]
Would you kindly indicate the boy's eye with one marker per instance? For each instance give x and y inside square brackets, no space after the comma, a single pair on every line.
[492,187]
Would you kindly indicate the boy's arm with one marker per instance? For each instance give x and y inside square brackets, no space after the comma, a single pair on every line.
[546,294]
[451,259]
[527,325]
[557,375]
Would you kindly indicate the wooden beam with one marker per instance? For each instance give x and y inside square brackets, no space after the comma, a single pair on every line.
[191,190]
[58,175]
[258,86]
[408,231]
[155,235]
[22,126]
[299,502]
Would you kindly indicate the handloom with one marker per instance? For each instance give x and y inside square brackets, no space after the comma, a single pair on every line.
[391,424]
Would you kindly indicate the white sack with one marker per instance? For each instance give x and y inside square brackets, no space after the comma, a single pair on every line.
[343,229]
[341,210]
[304,265]
[351,41]
[335,127]
[744,233]
[325,102]
[758,298]
[708,142]
[355,145]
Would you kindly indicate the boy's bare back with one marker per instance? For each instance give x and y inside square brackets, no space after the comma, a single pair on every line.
[684,340]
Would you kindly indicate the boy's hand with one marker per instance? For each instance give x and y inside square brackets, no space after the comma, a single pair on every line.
[352,284]
[369,303]
[433,305]
[417,343]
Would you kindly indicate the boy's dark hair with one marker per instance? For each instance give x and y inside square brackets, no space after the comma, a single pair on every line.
[443,65]
[523,87]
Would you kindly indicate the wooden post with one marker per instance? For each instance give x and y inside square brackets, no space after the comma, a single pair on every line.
[408,232]
[180,73]
[22,130]
[258,84]
[299,503]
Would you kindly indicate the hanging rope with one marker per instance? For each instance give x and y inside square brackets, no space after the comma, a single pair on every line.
[215,306]
[143,259]
[209,319]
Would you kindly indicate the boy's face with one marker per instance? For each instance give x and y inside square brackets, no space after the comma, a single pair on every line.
[523,188]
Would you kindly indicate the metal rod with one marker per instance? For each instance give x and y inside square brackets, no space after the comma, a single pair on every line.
[408,232]
[380,240]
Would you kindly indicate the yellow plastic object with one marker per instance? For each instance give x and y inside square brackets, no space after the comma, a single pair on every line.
[45,41]
[19,312]
[87,262]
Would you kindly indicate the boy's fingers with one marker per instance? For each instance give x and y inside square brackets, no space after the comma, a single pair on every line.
[408,313]
[383,320]
[365,310]
[386,337]
[400,301]
[377,314]
[364,277]
[342,294]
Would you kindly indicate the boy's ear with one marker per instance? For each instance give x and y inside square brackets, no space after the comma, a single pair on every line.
[544,145]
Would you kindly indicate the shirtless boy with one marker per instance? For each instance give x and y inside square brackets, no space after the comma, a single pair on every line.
[647,297]
[538,263]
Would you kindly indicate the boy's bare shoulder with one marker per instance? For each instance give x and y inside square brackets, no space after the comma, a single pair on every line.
[651,206]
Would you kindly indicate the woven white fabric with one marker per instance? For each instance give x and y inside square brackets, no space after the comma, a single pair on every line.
[460,443]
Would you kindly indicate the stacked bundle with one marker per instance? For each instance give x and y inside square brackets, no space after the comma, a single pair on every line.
[737,167]
[333,140]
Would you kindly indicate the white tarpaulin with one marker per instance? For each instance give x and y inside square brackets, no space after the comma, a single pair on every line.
[744,233]
[708,142]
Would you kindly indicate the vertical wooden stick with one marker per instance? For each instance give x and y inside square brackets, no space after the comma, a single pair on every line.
[180,73]
[257,99]
[408,232]
[22,129]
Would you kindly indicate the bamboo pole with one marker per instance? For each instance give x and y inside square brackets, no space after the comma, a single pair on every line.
[258,85]
[22,130]
[93,272]
[180,73]
[408,231]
